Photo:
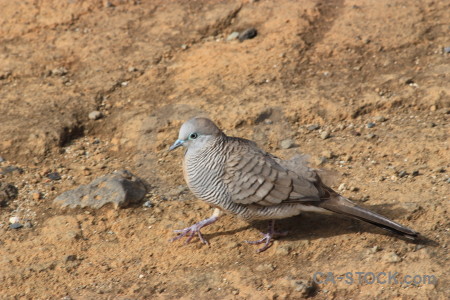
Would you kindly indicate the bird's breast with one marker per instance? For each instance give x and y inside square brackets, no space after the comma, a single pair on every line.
[203,172]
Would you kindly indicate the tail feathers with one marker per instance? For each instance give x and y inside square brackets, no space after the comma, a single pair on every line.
[338,204]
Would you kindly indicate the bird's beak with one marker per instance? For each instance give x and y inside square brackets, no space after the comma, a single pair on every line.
[177,144]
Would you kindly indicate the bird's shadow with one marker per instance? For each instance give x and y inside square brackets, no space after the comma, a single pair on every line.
[313,226]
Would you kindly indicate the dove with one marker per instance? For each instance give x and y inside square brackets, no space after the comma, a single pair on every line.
[235,176]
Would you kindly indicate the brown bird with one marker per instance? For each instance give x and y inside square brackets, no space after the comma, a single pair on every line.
[234,175]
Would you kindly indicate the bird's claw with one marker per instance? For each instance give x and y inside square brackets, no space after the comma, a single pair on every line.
[267,239]
[189,232]
[193,230]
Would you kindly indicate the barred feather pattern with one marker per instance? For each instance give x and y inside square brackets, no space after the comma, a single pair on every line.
[235,175]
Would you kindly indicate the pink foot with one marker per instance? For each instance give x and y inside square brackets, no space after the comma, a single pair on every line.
[194,229]
[268,237]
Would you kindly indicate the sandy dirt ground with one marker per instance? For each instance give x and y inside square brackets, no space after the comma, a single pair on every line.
[371,76]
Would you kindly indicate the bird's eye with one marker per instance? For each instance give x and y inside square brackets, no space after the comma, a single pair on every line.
[193,136]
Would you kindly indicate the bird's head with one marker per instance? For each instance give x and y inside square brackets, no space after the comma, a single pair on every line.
[195,133]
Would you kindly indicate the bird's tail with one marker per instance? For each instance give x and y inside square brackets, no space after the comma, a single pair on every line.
[338,204]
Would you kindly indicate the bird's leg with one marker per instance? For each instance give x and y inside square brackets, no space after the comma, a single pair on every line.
[266,240]
[195,229]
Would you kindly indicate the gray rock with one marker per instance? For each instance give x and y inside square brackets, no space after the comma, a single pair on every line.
[370,125]
[247,34]
[54,176]
[286,144]
[446,49]
[232,36]
[95,115]
[120,188]
[313,127]
[2,159]
[15,226]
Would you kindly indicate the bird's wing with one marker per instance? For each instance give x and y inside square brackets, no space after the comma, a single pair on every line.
[255,177]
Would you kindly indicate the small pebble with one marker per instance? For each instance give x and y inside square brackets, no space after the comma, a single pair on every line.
[95,115]
[132,69]
[415,173]
[13,220]
[2,159]
[342,187]
[439,170]
[370,136]
[86,172]
[354,189]
[313,127]
[11,169]
[324,135]
[15,226]
[184,46]
[327,153]
[380,119]
[247,34]
[402,174]
[232,36]
[59,71]
[374,249]
[392,257]
[409,81]
[54,176]
[72,257]
[347,158]
[283,250]
[266,268]
[286,144]
[370,125]
[36,196]
[365,198]
[147,204]
[446,49]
